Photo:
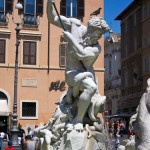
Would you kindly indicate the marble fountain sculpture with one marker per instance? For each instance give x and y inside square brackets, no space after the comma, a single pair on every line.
[75,125]
[140,123]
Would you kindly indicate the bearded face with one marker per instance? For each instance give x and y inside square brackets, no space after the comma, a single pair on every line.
[96,28]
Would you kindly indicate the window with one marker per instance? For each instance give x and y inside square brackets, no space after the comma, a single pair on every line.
[29,53]
[2,51]
[135,44]
[126,79]
[126,26]
[110,67]
[72,8]
[147,64]
[135,19]
[62,54]
[29,109]
[5,7]
[144,9]
[31,9]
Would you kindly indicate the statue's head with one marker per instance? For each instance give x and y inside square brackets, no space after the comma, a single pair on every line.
[98,23]
[97,26]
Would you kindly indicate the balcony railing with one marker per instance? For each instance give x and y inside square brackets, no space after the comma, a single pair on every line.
[2,18]
[30,20]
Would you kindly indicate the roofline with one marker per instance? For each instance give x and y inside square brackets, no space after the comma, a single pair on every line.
[128,8]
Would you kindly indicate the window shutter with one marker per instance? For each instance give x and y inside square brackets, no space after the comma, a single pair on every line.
[9,6]
[25,53]
[2,51]
[63,7]
[80,8]
[21,11]
[29,53]
[39,7]
[62,54]
[33,53]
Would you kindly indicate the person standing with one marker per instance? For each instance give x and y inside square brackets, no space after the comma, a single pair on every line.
[21,134]
[29,144]
[34,136]
[117,139]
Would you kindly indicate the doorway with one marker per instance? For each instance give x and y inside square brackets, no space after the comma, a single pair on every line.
[3,124]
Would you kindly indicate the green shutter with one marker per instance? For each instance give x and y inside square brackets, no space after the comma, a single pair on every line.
[9,6]
[63,7]
[80,8]
[39,7]
[2,51]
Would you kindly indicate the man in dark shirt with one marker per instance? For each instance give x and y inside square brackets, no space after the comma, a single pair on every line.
[21,134]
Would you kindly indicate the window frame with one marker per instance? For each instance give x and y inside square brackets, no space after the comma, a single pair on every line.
[4,51]
[28,101]
[80,8]
[29,18]
[36,51]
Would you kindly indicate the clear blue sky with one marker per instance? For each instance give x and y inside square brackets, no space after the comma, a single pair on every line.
[112,8]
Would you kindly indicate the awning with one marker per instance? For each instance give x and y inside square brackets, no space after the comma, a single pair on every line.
[121,115]
[4,111]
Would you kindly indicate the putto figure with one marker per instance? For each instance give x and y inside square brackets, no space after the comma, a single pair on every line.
[80,105]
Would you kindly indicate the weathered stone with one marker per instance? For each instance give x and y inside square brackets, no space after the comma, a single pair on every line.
[75,125]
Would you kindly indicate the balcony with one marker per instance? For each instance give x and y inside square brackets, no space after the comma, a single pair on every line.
[30,20]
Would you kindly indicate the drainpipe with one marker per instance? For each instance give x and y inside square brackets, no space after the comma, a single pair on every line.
[48,50]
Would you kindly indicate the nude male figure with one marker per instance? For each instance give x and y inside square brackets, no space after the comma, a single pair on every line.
[82,52]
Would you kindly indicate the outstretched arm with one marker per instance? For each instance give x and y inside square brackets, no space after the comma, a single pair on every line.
[53,18]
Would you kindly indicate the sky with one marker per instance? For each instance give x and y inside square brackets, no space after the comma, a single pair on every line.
[112,8]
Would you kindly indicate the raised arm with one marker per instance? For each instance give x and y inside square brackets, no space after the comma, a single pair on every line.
[53,18]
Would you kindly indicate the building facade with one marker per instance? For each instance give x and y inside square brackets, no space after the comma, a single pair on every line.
[112,56]
[135,60]
[41,58]
[145,41]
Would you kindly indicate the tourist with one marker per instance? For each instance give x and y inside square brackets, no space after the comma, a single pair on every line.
[34,135]
[29,131]
[122,128]
[110,129]
[10,147]
[29,144]
[21,135]
[117,139]
[115,128]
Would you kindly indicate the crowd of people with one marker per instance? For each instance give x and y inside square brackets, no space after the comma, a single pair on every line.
[27,140]
[116,129]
